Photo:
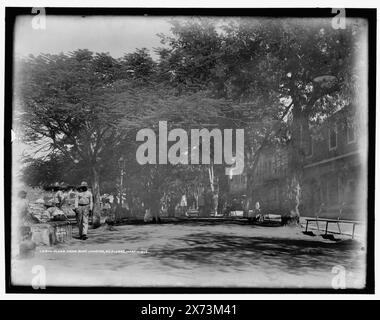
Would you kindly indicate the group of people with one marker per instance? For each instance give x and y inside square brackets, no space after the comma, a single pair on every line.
[67,201]
[205,202]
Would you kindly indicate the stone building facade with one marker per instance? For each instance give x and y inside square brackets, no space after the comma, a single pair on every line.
[333,181]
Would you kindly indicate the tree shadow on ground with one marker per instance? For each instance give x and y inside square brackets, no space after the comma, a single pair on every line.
[207,249]
[117,236]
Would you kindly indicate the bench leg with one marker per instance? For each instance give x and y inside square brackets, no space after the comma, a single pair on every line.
[339,227]
[327,225]
[307,224]
[317,225]
[353,230]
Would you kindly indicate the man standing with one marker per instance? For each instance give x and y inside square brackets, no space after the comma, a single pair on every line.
[183,205]
[83,208]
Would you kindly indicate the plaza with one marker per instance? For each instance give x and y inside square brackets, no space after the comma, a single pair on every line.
[198,254]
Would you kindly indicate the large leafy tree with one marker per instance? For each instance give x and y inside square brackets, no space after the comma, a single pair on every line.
[191,110]
[138,65]
[284,75]
[269,77]
[82,112]
[67,106]
[55,168]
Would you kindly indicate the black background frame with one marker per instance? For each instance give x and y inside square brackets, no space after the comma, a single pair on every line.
[369,14]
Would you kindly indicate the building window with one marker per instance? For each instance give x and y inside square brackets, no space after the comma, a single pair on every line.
[351,134]
[333,137]
[284,162]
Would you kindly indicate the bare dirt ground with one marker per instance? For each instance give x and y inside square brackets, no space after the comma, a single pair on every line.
[197,254]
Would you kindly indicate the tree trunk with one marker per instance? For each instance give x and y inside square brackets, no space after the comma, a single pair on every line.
[214,189]
[96,194]
[294,192]
[272,132]
[294,179]
[154,198]
[155,208]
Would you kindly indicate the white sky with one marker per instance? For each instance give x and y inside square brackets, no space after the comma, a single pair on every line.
[113,34]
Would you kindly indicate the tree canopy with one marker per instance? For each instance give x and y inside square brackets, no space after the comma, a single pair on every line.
[266,76]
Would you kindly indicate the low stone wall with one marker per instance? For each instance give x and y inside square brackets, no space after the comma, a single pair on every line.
[51,233]
[63,230]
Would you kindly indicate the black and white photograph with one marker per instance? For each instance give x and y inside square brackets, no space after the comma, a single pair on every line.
[190,149]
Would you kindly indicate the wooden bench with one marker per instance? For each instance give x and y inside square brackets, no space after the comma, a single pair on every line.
[337,221]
